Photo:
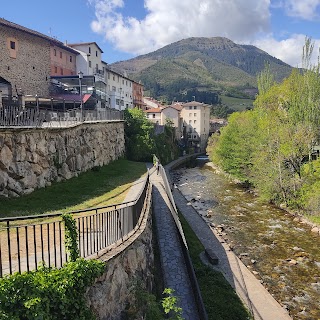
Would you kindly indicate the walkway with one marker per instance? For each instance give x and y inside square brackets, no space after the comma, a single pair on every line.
[172,260]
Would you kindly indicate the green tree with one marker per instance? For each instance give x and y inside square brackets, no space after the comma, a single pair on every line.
[139,135]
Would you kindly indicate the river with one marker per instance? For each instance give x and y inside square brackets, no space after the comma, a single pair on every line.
[282,253]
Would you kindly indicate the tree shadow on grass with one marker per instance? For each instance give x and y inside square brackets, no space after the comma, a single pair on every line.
[75,191]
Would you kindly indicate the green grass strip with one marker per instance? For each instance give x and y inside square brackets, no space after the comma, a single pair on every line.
[97,187]
[220,299]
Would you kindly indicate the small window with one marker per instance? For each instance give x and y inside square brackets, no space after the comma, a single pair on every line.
[154,115]
[89,64]
[190,107]
[195,114]
[13,45]
[70,58]
[194,121]
[60,54]
[55,52]
[190,121]
[89,50]
[195,108]
[122,81]
[96,53]
[114,79]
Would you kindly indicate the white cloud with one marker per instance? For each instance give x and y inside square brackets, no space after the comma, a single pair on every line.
[288,50]
[303,9]
[167,21]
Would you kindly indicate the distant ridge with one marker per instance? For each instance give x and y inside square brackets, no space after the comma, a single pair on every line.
[205,64]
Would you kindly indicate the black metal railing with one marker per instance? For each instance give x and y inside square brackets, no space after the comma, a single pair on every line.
[33,117]
[28,242]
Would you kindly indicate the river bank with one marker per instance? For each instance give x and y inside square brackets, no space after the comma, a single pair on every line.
[297,216]
[280,251]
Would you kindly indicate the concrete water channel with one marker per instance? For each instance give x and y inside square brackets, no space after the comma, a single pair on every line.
[282,253]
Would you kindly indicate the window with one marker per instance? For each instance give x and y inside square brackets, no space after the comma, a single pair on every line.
[122,81]
[70,58]
[96,53]
[108,75]
[195,108]
[89,64]
[113,88]
[55,52]
[114,79]
[194,121]
[89,50]
[190,114]
[60,55]
[190,107]
[195,114]
[154,115]
[190,121]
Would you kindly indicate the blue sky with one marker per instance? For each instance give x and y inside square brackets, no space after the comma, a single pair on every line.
[126,28]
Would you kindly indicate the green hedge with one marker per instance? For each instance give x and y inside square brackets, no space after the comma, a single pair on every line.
[49,293]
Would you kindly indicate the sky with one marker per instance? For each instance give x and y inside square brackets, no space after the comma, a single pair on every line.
[124,29]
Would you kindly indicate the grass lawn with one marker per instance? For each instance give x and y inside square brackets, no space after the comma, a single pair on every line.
[220,300]
[94,188]
[237,104]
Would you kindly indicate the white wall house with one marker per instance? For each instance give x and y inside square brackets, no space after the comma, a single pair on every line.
[119,88]
[154,115]
[90,64]
[196,122]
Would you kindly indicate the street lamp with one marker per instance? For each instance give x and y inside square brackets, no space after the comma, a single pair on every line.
[80,74]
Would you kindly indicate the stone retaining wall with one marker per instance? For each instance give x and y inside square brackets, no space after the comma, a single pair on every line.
[114,291]
[34,158]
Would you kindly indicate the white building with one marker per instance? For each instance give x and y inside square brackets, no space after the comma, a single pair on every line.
[119,88]
[196,124]
[90,64]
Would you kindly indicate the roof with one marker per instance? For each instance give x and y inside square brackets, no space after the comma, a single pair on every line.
[178,106]
[153,110]
[18,27]
[84,44]
[195,103]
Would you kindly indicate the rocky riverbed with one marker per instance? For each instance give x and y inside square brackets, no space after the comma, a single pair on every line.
[281,250]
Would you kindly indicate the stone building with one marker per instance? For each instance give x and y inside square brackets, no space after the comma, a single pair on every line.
[28,59]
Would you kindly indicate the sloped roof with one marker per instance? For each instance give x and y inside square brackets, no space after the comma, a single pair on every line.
[84,44]
[9,24]
[153,110]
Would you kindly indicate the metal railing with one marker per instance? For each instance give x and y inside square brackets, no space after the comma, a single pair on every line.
[28,242]
[192,276]
[33,117]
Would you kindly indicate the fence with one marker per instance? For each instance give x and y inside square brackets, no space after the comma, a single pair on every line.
[33,117]
[192,276]
[28,242]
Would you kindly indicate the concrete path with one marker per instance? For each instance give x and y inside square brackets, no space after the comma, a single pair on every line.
[172,260]
[251,291]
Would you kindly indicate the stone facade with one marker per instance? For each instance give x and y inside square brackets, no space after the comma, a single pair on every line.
[114,291]
[34,158]
[24,61]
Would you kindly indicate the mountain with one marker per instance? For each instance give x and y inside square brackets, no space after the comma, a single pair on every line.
[202,64]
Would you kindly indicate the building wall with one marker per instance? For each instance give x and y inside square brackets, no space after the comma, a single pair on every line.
[154,117]
[138,95]
[28,65]
[119,89]
[63,62]
[92,56]
[34,158]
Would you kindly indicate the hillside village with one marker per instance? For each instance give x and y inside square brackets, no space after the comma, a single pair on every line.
[73,75]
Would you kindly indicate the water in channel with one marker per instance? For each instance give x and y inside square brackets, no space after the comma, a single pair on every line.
[283,254]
